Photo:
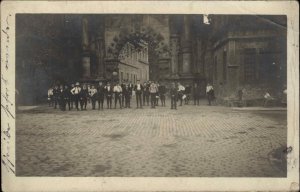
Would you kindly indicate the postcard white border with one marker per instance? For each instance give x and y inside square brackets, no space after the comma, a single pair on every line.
[289,8]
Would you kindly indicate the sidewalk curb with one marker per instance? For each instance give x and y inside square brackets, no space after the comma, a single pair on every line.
[259,109]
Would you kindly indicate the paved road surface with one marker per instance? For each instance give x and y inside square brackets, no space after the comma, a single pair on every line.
[193,141]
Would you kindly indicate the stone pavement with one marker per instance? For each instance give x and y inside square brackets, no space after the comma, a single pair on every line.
[193,141]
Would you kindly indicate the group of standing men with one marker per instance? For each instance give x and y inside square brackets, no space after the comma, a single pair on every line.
[146,93]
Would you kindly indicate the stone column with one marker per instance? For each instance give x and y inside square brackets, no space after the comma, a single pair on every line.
[86,64]
[100,57]
[174,41]
[186,46]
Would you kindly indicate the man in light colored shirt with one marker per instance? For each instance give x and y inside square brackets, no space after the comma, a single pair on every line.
[268,98]
[75,92]
[153,91]
[50,96]
[209,93]
[118,95]
[138,88]
[93,96]
[180,90]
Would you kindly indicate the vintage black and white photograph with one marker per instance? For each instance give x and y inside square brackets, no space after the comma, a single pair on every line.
[111,95]
[151,95]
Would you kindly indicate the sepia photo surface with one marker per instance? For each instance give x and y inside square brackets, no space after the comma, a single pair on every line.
[189,96]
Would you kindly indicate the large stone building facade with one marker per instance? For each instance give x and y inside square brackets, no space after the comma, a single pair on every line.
[229,51]
[174,46]
[247,53]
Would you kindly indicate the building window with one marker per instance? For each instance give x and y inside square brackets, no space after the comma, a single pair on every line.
[122,76]
[127,76]
[267,65]
[249,64]
[224,65]
[216,67]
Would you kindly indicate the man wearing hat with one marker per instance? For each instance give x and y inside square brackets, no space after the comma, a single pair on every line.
[62,103]
[118,95]
[93,96]
[146,94]
[123,84]
[75,92]
[162,96]
[174,95]
[209,93]
[197,94]
[100,94]
[109,93]
[50,97]
[67,97]
[153,92]
[138,88]
[130,88]
[56,96]
[84,93]
[72,98]
[127,92]
[180,91]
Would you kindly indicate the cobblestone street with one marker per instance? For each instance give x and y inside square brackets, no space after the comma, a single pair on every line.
[193,141]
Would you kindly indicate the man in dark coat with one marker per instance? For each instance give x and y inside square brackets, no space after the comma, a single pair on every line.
[100,95]
[130,89]
[109,93]
[138,88]
[174,95]
[196,94]
[146,94]
[83,97]
[123,84]
[61,98]
[67,97]
[72,98]
[162,94]
[56,93]
[127,94]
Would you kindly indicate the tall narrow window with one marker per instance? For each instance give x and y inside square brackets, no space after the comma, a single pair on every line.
[249,64]
[216,67]
[224,65]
